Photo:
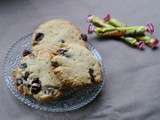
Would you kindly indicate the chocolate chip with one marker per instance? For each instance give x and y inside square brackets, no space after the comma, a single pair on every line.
[84,37]
[26,52]
[35,88]
[39,36]
[62,41]
[45,91]
[26,75]
[67,55]
[19,82]
[54,63]
[91,73]
[49,89]
[34,43]
[36,80]
[28,85]
[62,51]
[23,65]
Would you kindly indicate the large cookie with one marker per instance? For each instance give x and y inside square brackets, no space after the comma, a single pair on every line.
[34,77]
[53,33]
[59,61]
[76,66]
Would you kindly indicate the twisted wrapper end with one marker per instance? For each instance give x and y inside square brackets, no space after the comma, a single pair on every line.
[107,17]
[91,29]
[140,45]
[150,28]
[89,18]
[154,43]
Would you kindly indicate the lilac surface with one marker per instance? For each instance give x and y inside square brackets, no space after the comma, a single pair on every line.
[132,82]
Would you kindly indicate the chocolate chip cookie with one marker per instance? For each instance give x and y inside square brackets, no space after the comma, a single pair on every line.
[76,66]
[34,77]
[54,32]
[59,61]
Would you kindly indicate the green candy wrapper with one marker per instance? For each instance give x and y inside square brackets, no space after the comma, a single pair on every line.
[150,41]
[125,31]
[100,33]
[98,22]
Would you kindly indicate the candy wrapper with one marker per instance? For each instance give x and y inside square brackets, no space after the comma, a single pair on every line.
[136,36]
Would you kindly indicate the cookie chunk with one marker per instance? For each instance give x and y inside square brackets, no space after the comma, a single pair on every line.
[34,77]
[56,32]
[76,66]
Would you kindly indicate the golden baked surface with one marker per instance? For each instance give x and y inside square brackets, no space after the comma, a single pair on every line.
[59,61]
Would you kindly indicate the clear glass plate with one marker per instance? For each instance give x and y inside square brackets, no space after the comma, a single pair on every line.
[74,101]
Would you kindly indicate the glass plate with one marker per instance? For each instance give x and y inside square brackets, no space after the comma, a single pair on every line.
[74,101]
